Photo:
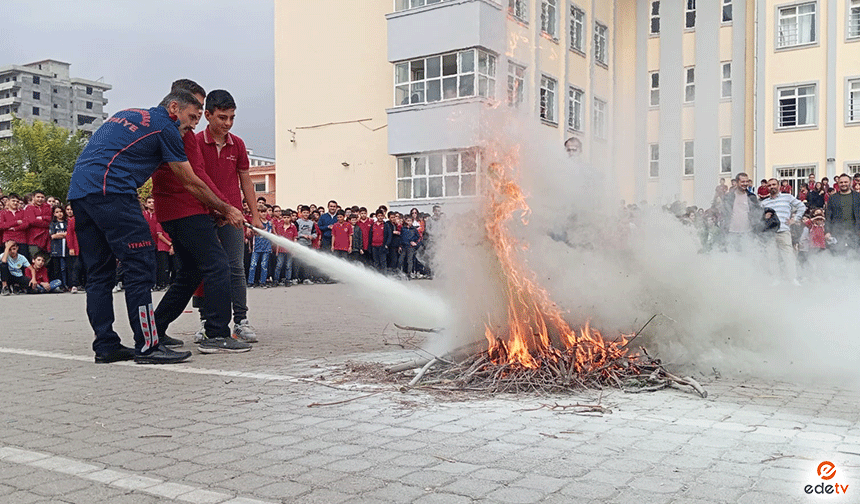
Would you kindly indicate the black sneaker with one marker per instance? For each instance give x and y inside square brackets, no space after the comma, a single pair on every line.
[168,341]
[161,355]
[222,345]
[121,354]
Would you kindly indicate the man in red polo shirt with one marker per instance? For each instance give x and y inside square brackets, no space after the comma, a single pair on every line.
[201,256]
[226,161]
[38,219]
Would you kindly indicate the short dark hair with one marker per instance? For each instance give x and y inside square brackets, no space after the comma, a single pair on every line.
[187,85]
[38,191]
[332,201]
[182,97]
[305,208]
[353,215]
[14,195]
[261,198]
[340,212]
[362,209]
[392,213]
[275,206]
[380,212]
[219,99]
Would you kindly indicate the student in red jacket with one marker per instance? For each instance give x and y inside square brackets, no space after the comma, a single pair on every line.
[341,236]
[38,275]
[12,222]
[37,216]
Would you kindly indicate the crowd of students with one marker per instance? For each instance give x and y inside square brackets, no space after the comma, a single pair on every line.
[41,254]
[388,241]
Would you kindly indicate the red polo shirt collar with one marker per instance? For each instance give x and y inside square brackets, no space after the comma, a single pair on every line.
[208,138]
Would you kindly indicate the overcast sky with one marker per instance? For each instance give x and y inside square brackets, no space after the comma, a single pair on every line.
[141,46]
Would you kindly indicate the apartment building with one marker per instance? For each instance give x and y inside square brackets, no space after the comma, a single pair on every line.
[663,98]
[44,91]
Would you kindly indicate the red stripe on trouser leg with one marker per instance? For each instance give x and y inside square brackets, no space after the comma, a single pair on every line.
[152,323]
[144,327]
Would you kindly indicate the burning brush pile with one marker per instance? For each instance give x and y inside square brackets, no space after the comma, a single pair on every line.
[534,349]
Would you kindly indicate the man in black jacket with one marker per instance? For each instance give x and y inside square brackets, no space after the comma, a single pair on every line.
[741,213]
[843,217]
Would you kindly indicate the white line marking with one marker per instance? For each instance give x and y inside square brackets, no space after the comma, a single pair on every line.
[120,479]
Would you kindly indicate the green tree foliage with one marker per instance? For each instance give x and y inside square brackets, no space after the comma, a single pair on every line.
[39,156]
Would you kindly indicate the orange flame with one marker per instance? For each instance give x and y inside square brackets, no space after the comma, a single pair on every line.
[536,329]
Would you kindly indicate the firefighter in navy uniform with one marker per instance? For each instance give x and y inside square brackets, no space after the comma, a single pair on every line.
[121,155]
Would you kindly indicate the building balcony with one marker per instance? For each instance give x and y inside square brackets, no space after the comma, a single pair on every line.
[444,27]
[9,101]
[437,126]
[5,86]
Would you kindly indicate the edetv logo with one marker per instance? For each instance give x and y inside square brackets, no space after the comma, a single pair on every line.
[826,470]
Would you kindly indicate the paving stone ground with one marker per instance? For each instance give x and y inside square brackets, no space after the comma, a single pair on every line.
[280,424]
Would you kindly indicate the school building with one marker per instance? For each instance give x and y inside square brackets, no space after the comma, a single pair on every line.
[385,100]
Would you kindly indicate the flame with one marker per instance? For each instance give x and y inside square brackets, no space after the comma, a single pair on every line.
[535,328]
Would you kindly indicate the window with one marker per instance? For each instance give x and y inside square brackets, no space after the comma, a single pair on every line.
[89,90]
[55,90]
[727,11]
[35,110]
[796,25]
[726,155]
[549,18]
[37,95]
[853,101]
[852,168]
[82,120]
[516,84]
[654,160]
[36,79]
[689,149]
[517,8]
[260,187]
[437,175]
[400,5]
[89,105]
[727,80]
[599,119]
[600,43]
[690,14]
[56,106]
[445,77]
[547,99]
[655,88]
[574,109]
[655,18]
[796,175]
[796,106]
[577,29]
[690,85]
[854,19]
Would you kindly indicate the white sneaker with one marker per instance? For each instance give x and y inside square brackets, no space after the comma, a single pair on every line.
[200,334]
[243,331]
[74,290]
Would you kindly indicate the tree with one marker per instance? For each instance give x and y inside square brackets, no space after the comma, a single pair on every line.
[39,156]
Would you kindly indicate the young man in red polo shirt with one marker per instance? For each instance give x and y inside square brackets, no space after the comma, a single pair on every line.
[195,242]
[12,223]
[226,161]
[341,236]
[38,219]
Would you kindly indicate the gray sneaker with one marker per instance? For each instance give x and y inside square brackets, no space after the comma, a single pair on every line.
[222,345]
[200,334]
[243,331]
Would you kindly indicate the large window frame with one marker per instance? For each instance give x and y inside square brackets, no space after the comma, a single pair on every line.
[795,103]
[402,5]
[516,84]
[852,101]
[577,29]
[519,9]
[852,18]
[437,175]
[690,14]
[726,154]
[797,175]
[655,17]
[600,118]
[445,77]
[549,18]
[548,99]
[654,160]
[689,84]
[726,80]
[727,12]
[654,83]
[601,44]
[689,158]
[796,25]
[575,108]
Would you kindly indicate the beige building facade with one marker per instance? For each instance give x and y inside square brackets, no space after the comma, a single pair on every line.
[663,98]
